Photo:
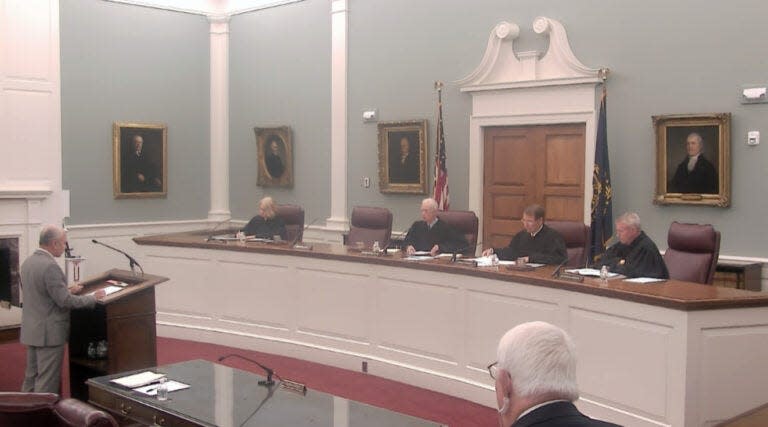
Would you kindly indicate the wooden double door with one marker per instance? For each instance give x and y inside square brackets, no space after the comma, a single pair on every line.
[531,164]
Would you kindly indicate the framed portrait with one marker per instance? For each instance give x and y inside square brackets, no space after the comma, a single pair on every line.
[139,160]
[403,157]
[693,162]
[275,152]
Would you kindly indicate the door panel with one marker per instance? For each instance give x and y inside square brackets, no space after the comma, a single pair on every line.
[531,164]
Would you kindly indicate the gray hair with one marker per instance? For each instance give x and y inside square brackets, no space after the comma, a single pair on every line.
[631,219]
[540,359]
[430,203]
[536,211]
[49,234]
[698,137]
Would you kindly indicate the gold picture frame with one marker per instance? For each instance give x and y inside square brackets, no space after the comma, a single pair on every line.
[139,160]
[400,170]
[275,154]
[693,159]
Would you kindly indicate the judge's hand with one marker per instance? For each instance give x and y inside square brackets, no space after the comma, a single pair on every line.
[76,288]
[488,251]
[410,250]
[140,177]
[100,294]
[435,250]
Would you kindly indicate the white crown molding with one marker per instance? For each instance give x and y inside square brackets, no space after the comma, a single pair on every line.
[208,7]
[502,68]
[25,190]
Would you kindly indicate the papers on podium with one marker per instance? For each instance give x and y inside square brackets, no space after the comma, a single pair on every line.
[138,380]
[151,390]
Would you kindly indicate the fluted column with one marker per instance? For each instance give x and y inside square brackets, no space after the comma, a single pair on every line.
[219,85]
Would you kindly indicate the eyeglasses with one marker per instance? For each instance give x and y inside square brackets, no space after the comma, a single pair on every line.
[493,370]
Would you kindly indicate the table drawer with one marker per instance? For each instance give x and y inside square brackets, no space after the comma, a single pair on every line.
[125,408]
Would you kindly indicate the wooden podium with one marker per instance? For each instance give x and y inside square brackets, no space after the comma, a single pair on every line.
[125,319]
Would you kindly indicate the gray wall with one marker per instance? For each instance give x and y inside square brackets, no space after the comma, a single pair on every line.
[134,64]
[280,68]
[665,59]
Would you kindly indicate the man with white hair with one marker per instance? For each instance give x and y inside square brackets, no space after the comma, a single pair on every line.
[635,255]
[695,174]
[45,314]
[431,234]
[535,375]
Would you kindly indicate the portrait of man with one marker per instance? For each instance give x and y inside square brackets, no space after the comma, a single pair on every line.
[273,156]
[140,159]
[403,158]
[695,149]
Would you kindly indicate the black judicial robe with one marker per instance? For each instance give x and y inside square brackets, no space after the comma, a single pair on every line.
[547,247]
[266,229]
[641,258]
[423,238]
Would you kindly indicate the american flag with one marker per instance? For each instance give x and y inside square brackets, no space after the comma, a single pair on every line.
[441,171]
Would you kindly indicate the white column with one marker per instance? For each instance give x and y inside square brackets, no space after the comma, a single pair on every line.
[219,39]
[338,219]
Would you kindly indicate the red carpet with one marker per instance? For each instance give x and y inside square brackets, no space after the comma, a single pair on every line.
[366,388]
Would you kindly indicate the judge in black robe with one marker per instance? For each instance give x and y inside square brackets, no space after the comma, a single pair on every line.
[433,235]
[535,242]
[266,225]
[545,246]
[635,255]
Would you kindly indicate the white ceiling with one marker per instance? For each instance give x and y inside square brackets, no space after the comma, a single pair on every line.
[208,7]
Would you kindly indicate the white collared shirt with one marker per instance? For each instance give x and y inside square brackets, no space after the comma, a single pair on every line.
[537,231]
[692,162]
[431,224]
[49,254]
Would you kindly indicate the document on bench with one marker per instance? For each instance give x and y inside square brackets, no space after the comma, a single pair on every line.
[644,280]
[138,380]
[592,272]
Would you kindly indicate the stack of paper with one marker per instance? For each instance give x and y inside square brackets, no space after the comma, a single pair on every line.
[138,380]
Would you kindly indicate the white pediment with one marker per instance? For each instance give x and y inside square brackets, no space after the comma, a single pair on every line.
[501,67]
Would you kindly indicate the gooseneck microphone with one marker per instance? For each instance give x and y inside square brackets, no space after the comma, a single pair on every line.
[269,371]
[132,261]
[556,273]
[296,242]
[210,233]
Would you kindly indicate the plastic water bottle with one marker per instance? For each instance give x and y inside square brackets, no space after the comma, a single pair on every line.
[162,389]
[604,273]
[376,247]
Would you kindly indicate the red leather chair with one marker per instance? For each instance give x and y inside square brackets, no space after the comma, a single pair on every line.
[369,224]
[466,223]
[693,252]
[577,240]
[47,409]
[293,216]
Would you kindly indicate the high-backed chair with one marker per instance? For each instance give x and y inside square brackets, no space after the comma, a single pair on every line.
[293,216]
[577,240]
[693,252]
[466,223]
[47,409]
[369,224]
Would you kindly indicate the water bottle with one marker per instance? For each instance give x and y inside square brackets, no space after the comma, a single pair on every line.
[162,389]
[604,273]
[376,248]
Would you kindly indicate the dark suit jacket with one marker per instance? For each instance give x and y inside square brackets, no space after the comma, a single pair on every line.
[404,171]
[701,180]
[47,301]
[134,165]
[422,238]
[266,228]
[559,414]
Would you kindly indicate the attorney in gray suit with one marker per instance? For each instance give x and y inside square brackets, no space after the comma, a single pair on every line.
[45,313]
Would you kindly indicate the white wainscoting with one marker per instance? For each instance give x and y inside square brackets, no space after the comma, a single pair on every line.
[639,365]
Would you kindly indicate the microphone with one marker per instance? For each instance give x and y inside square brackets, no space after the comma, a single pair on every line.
[269,371]
[210,233]
[132,261]
[556,273]
[457,251]
[67,251]
[294,243]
